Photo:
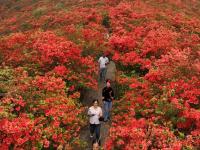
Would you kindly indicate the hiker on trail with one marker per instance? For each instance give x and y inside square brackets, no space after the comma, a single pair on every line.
[108,96]
[95,113]
[103,61]
[95,145]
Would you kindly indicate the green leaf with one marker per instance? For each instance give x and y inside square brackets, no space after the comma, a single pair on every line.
[181,135]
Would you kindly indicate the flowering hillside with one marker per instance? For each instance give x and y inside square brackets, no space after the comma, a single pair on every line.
[48,53]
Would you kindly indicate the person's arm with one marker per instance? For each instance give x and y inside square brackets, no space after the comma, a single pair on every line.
[103,94]
[100,114]
[107,61]
[99,60]
[112,93]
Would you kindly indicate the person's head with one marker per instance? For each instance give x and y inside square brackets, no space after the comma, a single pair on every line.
[108,83]
[104,55]
[95,102]
[95,145]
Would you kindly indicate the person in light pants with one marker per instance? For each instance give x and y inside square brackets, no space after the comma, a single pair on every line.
[103,61]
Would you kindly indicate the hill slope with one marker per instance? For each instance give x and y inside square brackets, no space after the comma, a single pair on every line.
[49,50]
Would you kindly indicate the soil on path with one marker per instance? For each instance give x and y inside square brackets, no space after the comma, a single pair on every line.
[87,98]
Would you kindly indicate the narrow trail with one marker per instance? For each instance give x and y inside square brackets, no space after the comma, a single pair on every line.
[89,95]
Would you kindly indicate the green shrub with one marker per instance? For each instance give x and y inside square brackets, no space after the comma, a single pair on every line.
[37,13]
[60,5]
[34,1]
[106,21]
[26,26]
[6,76]
[17,7]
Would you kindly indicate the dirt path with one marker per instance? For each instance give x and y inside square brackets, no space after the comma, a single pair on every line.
[89,95]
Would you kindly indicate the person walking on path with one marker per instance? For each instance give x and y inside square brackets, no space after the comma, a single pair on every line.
[95,145]
[95,112]
[103,61]
[108,96]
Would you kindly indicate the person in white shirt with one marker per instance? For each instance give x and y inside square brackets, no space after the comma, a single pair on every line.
[95,145]
[95,112]
[103,61]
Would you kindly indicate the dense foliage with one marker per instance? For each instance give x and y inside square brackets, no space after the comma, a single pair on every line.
[48,52]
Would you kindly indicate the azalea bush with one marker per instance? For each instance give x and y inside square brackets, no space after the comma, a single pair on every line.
[41,82]
[36,112]
[159,76]
[60,58]
[51,56]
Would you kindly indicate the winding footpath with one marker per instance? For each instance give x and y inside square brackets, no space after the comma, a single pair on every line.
[89,95]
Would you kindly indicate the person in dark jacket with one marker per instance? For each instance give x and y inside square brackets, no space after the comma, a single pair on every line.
[108,97]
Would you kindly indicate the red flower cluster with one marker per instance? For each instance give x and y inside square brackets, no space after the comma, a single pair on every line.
[51,56]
